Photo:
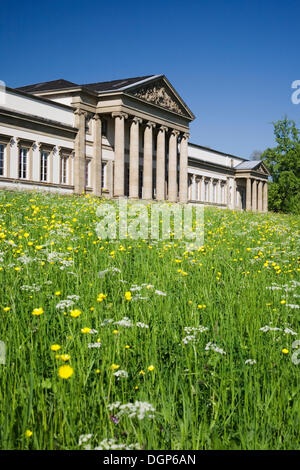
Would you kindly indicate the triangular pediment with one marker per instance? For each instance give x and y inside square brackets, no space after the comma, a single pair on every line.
[161,93]
[262,169]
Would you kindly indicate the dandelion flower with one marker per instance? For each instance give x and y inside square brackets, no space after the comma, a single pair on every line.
[28,433]
[284,351]
[55,347]
[101,297]
[37,311]
[151,368]
[85,330]
[75,313]
[128,295]
[114,366]
[65,357]
[65,372]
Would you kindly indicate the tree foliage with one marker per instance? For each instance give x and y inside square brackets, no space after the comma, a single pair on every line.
[283,162]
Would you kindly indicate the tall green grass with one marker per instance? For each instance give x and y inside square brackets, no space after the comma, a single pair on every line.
[203,399]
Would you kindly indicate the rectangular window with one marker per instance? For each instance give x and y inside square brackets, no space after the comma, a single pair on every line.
[63,170]
[103,175]
[2,160]
[88,173]
[104,127]
[23,152]
[44,166]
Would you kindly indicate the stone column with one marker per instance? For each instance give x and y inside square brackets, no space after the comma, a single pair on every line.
[265,196]
[160,163]
[259,197]
[148,159]
[183,168]
[32,149]
[210,190]
[248,194]
[70,168]
[254,195]
[172,181]
[79,161]
[134,153]
[119,164]
[194,187]
[200,187]
[97,157]
[219,198]
[110,177]
[234,193]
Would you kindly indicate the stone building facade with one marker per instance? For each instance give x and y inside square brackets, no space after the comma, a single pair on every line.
[123,138]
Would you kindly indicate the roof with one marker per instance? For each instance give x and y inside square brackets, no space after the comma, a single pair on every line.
[120,85]
[45,86]
[217,151]
[248,165]
[116,84]
[98,87]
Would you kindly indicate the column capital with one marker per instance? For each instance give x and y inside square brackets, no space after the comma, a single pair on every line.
[174,132]
[119,114]
[150,124]
[96,116]
[185,135]
[163,129]
[136,120]
[80,112]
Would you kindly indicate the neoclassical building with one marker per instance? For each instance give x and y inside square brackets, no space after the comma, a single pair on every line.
[125,138]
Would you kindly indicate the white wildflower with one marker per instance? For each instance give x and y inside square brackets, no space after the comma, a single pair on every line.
[288,331]
[121,374]
[214,347]
[269,328]
[111,444]
[84,438]
[65,304]
[124,322]
[141,325]
[159,292]
[94,345]
[137,409]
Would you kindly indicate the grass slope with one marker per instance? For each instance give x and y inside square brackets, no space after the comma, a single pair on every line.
[193,323]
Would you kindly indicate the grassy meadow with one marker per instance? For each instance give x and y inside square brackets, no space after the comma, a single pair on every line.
[141,344]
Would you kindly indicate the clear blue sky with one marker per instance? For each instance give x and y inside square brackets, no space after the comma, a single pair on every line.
[232,62]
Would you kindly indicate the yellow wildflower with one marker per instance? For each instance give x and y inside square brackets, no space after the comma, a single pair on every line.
[85,330]
[65,372]
[75,313]
[37,311]
[128,295]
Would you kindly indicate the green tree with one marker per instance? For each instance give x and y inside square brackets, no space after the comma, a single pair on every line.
[283,162]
